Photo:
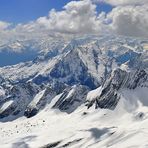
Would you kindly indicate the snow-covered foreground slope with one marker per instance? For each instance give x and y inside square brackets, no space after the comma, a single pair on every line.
[124,127]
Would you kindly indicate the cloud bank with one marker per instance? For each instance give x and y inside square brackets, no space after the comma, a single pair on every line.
[77,17]
[128,17]
[130,21]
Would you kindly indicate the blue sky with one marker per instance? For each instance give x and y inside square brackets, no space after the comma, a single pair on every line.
[22,11]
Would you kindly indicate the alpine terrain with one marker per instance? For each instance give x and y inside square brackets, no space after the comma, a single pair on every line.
[81,92]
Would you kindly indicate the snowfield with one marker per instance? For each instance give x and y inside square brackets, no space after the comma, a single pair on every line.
[124,127]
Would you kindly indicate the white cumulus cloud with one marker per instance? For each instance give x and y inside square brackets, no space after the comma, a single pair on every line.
[76,18]
[130,20]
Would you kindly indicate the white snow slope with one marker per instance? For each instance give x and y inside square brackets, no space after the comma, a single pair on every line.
[124,127]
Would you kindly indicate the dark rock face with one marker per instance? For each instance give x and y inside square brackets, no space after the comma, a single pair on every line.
[120,79]
[34,107]
[19,95]
[30,112]
[8,111]
[140,78]
[108,100]
[72,98]
[72,70]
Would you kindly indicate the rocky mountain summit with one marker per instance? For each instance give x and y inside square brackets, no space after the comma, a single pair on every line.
[118,81]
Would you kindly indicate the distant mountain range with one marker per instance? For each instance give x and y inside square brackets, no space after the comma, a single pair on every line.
[70,68]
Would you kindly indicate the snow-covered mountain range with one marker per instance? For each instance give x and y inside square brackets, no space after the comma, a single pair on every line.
[94,80]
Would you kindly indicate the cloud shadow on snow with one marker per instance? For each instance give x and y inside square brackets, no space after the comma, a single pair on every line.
[97,133]
[22,143]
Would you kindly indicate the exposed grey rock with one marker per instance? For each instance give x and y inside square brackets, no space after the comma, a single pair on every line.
[72,98]
[119,80]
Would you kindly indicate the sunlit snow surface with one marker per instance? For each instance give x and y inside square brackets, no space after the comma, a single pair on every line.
[124,127]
